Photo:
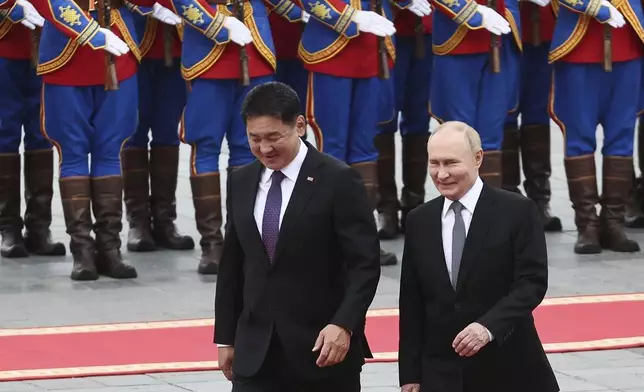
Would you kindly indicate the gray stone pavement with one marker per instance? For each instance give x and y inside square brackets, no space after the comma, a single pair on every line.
[37,292]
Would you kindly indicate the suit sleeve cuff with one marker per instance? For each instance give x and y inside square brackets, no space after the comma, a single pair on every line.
[489,334]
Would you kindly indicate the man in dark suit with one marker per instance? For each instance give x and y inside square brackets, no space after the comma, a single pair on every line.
[300,263]
[474,268]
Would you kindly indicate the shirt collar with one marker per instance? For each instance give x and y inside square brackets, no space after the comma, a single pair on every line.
[292,170]
[468,200]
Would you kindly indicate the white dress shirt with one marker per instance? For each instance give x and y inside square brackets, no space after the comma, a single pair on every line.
[291,171]
[468,201]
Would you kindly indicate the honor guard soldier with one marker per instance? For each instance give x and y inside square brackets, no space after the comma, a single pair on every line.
[89,109]
[20,107]
[286,37]
[411,84]
[597,54]
[532,140]
[467,82]
[150,174]
[346,47]
[221,68]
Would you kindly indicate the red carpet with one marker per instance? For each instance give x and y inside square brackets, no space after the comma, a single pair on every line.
[565,324]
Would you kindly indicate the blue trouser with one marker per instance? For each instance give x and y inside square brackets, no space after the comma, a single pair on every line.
[411,85]
[465,89]
[20,106]
[511,71]
[84,121]
[343,113]
[162,97]
[293,73]
[536,74]
[584,95]
[213,111]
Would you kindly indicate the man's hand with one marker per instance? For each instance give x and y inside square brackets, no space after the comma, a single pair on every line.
[165,15]
[31,17]
[470,340]
[113,43]
[410,388]
[540,3]
[333,343]
[225,358]
[371,22]
[237,31]
[493,21]
[616,19]
[420,8]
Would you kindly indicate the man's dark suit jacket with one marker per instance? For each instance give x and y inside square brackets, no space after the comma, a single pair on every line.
[325,271]
[503,277]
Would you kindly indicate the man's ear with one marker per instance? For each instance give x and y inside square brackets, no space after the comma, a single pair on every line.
[478,158]
[300,125]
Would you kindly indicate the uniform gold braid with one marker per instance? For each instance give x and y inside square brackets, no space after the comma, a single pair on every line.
[514,28]
[325,54]
[202,66]
[180,31]
[452,42]
[259,43]
[117,20]
[555,7]
[58,62]
[630,16]
[575,37]
[332,49]
[151,27]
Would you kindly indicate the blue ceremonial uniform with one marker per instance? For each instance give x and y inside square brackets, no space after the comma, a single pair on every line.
[512,46]
[532,139]
[585,94]
[150,174]
[410,87]
[86,122]
[211,64]
[20,108]
[464,87]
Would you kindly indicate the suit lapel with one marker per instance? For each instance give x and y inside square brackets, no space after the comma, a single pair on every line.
[247,201]
[305,187]
[435,246]
[483,217]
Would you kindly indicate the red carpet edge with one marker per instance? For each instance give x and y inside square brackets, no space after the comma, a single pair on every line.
[565,324]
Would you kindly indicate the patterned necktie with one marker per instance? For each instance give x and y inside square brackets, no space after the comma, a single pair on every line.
[458,240]
[272,210]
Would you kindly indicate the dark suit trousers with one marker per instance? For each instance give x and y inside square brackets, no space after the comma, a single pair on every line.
[278,375]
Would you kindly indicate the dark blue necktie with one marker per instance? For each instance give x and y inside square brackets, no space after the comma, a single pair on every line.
[272,210]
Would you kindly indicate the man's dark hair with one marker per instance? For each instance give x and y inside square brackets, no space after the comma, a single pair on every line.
[273,99]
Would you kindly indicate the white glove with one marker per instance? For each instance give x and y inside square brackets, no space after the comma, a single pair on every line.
[305,17]
[420,7]
[540,3]
[370,22]
[31,17]
[616,19]
[492,21]
[165,15]
[114,44]
[237,31]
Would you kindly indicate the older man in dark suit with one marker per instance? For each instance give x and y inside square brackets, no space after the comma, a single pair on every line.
[300,263]
[474,268]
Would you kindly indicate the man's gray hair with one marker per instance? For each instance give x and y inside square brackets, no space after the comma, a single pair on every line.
[471,136]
